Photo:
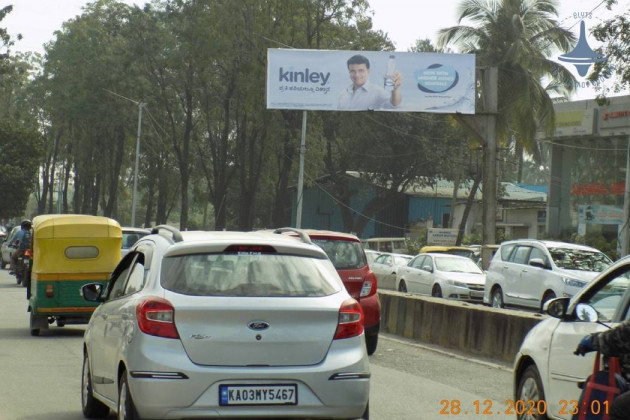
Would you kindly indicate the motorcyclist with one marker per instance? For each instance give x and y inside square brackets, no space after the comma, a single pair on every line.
[613,343]
[21,242]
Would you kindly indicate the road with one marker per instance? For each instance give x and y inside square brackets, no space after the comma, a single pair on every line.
[41,376]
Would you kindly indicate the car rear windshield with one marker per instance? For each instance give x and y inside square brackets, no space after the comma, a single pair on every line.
[578,259]
[345,255]
[249,274]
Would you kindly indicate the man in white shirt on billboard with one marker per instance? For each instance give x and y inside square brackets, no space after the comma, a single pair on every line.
[364,95]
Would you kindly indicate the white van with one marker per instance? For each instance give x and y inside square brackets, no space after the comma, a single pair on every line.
[395,245]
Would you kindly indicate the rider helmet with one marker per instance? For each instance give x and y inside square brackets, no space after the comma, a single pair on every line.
[25,224]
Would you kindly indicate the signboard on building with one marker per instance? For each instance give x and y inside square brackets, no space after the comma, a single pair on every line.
[575,122]
[441,237]
[332,80]
[615,117]
[600,214]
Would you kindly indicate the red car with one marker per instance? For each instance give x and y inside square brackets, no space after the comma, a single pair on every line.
[347,255]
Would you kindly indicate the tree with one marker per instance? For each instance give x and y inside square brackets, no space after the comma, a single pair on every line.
[19,161]
[517,37]
[615,35]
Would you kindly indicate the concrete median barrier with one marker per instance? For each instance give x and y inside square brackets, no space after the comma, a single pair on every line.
[472,328]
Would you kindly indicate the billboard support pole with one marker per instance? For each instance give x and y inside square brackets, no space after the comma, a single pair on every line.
[298,216]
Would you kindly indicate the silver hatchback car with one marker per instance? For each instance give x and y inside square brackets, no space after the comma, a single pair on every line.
[224,325]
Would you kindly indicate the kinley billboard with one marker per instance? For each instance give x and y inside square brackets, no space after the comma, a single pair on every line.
[370,80]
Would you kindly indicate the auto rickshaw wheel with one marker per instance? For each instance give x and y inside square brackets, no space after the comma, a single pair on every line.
[37,322]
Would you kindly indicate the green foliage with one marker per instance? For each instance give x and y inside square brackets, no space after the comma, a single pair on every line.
[597,241]
[20,151]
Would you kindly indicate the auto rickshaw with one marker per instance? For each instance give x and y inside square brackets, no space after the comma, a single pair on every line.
[68,251]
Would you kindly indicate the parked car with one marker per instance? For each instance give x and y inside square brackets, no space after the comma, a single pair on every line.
[6,249]
[529,272]
[545,369]
[385,267]
[347,255]
[224,324]
[131,235]
[442,275]
[371,255]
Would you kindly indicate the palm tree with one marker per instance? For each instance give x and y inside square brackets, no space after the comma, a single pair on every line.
[517,37]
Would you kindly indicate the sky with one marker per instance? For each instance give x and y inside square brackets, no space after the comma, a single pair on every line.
[404,21]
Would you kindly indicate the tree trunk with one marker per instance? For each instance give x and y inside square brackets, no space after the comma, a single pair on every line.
[469,204]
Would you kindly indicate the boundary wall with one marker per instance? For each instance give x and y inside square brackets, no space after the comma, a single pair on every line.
[471,328]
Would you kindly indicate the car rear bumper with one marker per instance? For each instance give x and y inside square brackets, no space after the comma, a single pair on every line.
[371,306]
[321,391]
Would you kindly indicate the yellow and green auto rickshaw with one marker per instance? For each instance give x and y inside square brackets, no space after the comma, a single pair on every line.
[69,250]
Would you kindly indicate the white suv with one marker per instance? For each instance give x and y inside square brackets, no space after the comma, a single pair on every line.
[529,272]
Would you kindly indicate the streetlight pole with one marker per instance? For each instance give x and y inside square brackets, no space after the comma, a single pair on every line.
[135,173]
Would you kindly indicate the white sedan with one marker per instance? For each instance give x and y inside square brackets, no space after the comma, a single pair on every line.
[385,267]
[442,275]
[545,369]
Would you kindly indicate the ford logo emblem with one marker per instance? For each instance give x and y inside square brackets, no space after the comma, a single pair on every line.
[258,325]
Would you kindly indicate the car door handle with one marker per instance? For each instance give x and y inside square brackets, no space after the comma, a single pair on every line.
[524,271]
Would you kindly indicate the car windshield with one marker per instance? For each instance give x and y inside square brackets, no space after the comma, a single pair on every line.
[249,274]
[401,260]
[345,255]
[456,265]
[579,259]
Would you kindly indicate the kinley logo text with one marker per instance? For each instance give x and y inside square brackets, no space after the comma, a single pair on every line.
[305,76]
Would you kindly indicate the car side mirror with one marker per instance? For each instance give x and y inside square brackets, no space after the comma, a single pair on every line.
[538,262]
[92,292]
[586,313]
[557,307]
[427,268]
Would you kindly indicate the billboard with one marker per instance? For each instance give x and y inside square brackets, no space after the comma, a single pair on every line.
[330,80]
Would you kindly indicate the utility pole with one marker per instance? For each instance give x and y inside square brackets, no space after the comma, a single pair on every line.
[300,187]
[135,172]
[483,125]
[490,99]
[625,231]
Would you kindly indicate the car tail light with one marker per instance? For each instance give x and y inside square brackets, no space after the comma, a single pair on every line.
[369,285]
[156,316]
[27,253]
[350,323]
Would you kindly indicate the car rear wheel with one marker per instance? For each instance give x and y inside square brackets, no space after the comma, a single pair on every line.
[402,287]
[496,300]
[530,389]
[92,408]
[126,407]
[371,341]
[437,291]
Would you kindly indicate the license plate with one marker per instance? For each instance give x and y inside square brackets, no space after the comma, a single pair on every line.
[282,394]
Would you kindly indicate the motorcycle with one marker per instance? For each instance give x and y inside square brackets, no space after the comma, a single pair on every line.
[23,268]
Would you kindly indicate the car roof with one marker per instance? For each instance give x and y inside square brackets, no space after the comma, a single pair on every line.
[329,234]
[199,241]
[552,244]
[126,229]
